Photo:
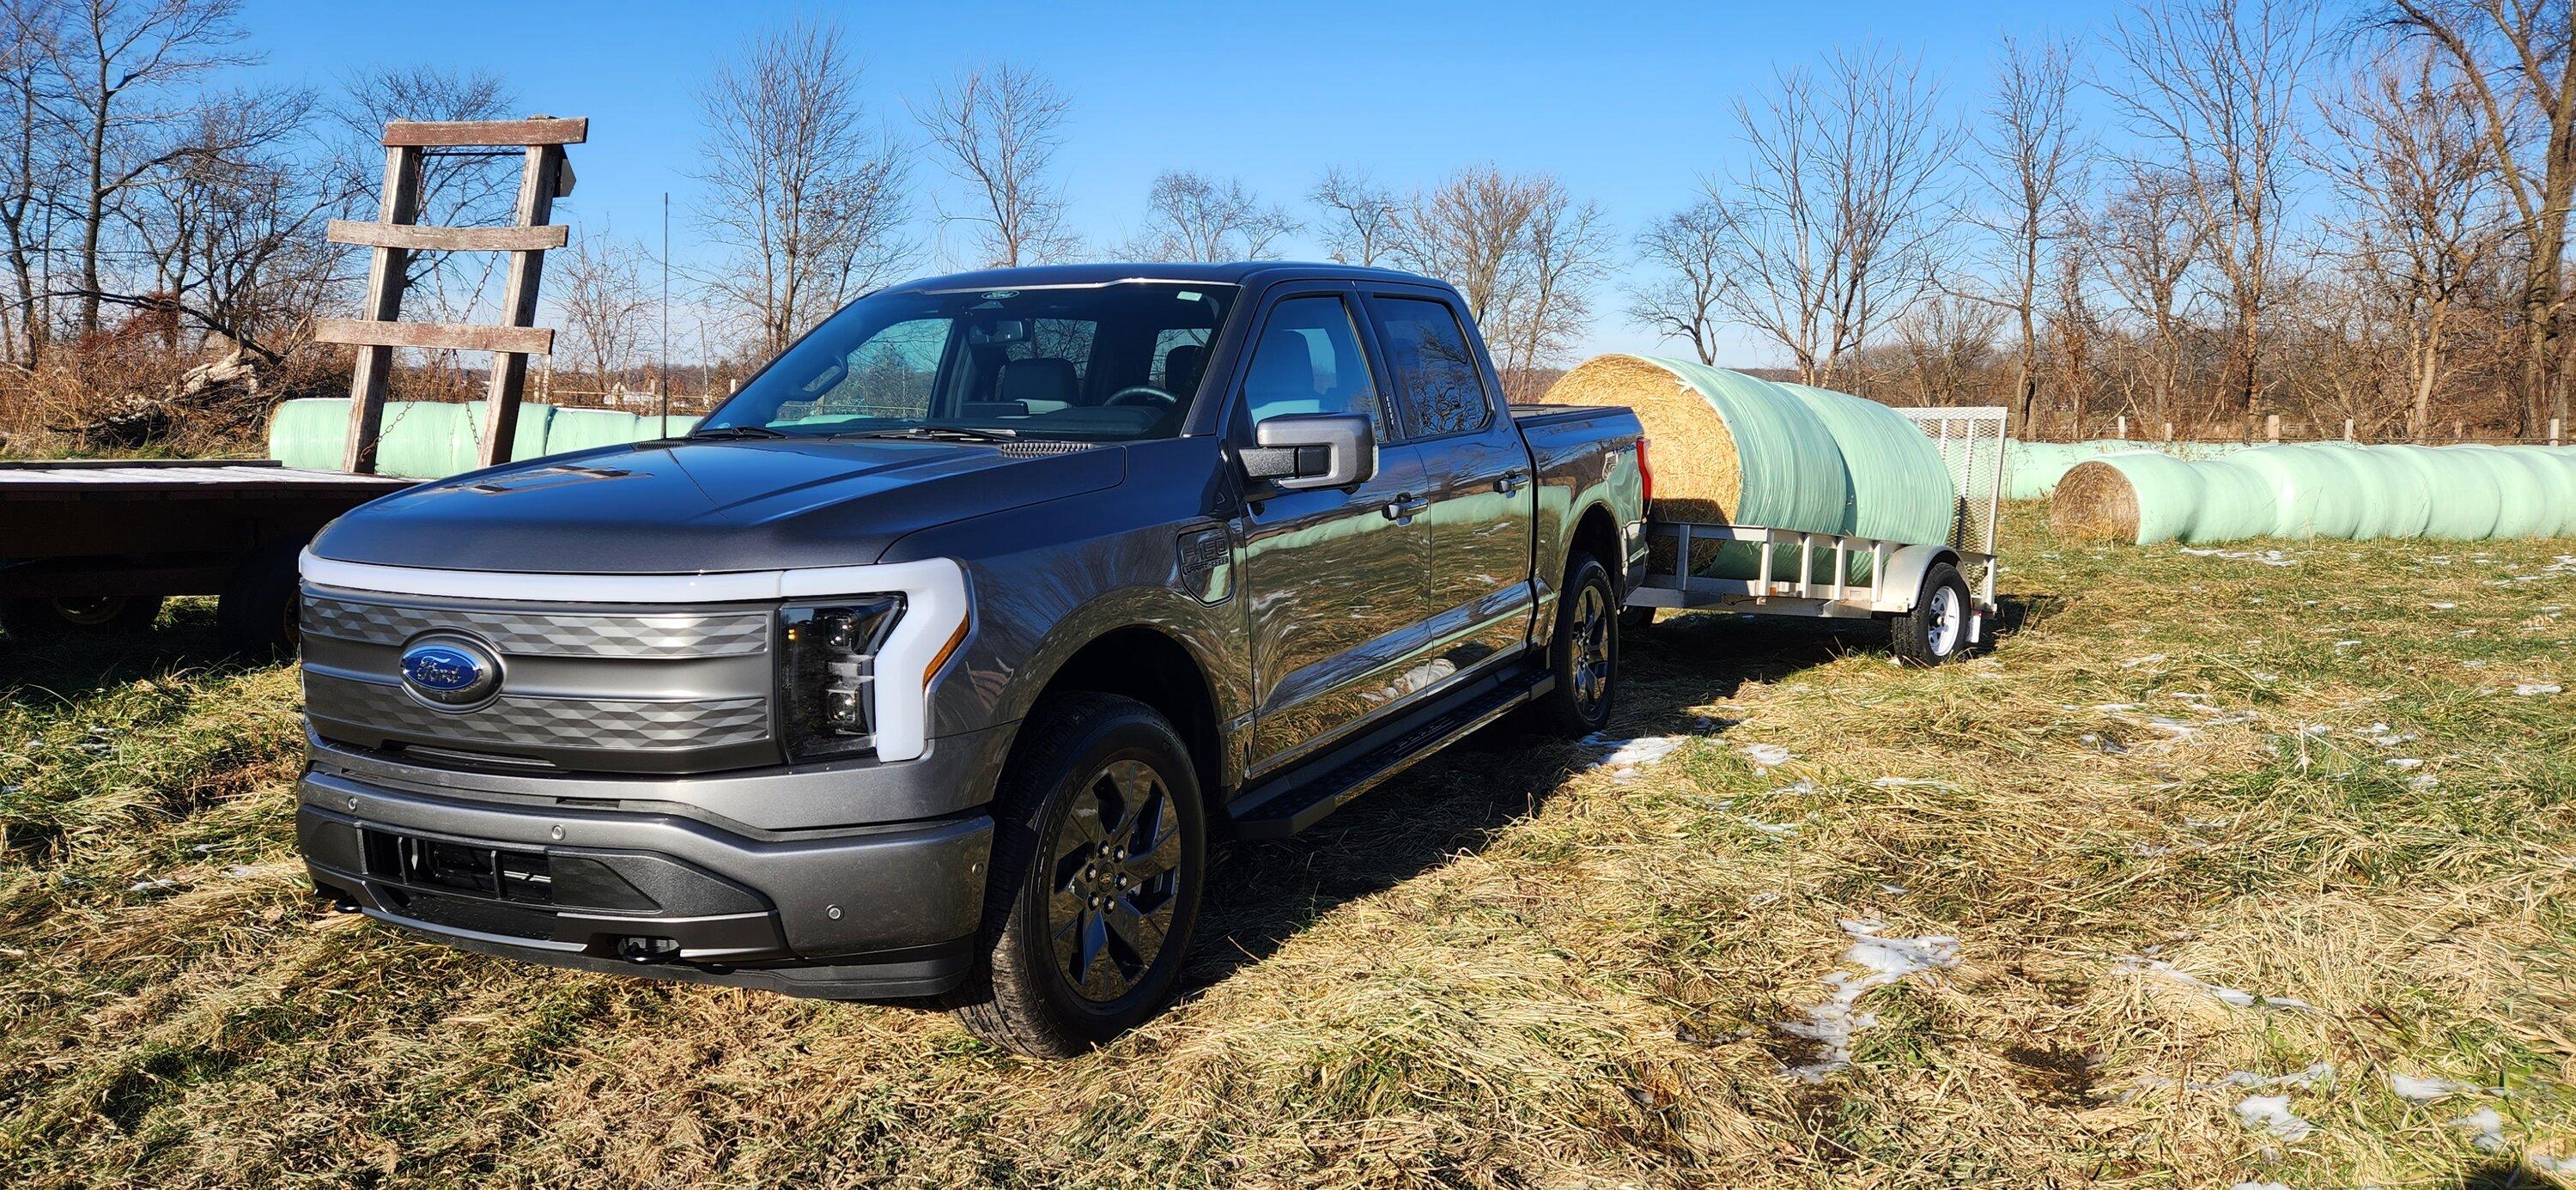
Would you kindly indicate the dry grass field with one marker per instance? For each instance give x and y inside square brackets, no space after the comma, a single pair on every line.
[2222,868]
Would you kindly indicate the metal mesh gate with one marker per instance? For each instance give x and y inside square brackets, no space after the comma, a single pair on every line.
[1971,442]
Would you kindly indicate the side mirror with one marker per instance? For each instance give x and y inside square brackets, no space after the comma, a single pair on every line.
[1312,450]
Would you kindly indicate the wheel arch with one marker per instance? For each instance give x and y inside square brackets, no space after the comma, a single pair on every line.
[1152,666]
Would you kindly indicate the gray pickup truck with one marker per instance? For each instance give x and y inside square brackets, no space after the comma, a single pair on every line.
[932,664]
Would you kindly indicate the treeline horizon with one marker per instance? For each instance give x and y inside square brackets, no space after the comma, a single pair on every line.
[2204,215]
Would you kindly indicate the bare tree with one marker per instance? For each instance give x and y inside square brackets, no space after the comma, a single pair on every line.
[2033,158]
[114,62]
[599,286]
[33,167]
[1360,219]
[1834,225]
[2513,56]
[808,204]
[1685,254]
[2216,84]
[2146,244]
[997,130]
[452,190]
[1521,252]
[228,238]
[2411,155]
[1943,352]
[1190,216]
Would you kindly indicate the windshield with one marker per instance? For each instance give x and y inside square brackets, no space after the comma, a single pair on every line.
[1096,363]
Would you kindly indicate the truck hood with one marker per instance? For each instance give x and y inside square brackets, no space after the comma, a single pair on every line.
[690,507]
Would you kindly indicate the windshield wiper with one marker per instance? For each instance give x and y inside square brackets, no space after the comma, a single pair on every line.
[934,434]
[734,432]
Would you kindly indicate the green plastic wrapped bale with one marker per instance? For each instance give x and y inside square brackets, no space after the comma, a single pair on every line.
[1900,488]
[2463,495]
[583,429]
[2368,486]
[309,432]
[1731,449]
[2521,491]
[1728,449]
[2311,490]
[2559,464]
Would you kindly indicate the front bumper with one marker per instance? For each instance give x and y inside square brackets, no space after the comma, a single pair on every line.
[863,912]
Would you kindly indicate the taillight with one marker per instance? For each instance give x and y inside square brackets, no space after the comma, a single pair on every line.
[1645,473]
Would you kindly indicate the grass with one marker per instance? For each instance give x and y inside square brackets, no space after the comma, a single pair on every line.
[1510,968]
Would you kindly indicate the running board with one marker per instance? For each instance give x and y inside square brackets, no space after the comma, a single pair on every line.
[1306,797]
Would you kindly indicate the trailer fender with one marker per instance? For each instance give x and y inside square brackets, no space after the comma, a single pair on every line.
[1905,570]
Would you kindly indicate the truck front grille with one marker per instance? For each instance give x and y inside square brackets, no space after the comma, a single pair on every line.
[514,723]
[600,688]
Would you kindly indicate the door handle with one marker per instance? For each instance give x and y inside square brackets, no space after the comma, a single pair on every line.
[1405,507]
[1510,482]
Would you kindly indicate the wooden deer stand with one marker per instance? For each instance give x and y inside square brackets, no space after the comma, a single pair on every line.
[546,178]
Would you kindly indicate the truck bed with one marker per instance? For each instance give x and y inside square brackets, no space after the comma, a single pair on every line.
[158,526]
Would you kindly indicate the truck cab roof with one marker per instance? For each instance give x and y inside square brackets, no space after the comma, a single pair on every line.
[1238,272]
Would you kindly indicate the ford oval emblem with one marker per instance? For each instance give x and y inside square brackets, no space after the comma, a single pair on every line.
[450,672]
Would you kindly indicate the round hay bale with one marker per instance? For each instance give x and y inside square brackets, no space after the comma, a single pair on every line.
[2138,497]
[2096,501]
[2522,493]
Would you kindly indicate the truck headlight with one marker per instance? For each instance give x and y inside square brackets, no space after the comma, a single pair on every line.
[827,674]
[861,647]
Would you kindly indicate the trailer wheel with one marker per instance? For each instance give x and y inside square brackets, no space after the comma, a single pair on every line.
[40,619]
[1635,619]
[1937,629]
[257,613]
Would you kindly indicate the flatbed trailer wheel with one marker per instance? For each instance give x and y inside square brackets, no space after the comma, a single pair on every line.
[1937,629]
[39,619]
[1635,619]
[257,612]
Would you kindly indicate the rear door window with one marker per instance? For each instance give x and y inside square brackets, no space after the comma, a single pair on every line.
[1439,389]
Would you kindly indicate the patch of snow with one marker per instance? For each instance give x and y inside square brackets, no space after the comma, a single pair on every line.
[2486,1127]
[2404,762]
[1906,782]
[2259,1186]
[2149,659]
[2159,968]
[1768,755]
[2272,1114]
[2537,689]
[1628,753]
[2443,607]
[156,884]
[2422,1090]
[1887,960]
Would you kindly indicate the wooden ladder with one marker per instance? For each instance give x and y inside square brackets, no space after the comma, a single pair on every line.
[395,235]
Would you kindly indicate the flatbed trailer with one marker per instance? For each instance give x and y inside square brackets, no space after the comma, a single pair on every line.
[1809,575]
[95,545]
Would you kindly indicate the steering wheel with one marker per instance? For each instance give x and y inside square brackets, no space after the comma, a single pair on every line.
[1142,394]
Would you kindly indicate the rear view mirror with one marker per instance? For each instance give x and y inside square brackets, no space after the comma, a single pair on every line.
[998,332]
[1312,450]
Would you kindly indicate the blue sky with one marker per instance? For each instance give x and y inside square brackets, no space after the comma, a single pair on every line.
[1626,104]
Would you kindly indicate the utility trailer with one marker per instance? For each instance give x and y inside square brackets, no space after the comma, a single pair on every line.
[1937,597]
[94,545]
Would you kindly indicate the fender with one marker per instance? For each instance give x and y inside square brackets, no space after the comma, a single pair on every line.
[1906,568]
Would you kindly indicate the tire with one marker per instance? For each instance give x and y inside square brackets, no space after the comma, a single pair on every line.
[1083,757]
[1633,620]
[43,619]
[1937,629]
[1583,654]
[257,613]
